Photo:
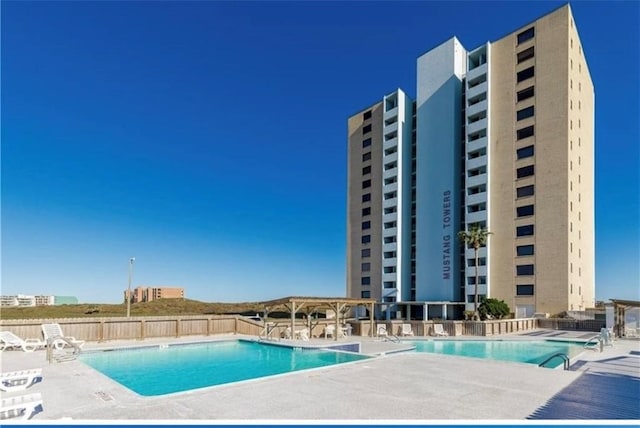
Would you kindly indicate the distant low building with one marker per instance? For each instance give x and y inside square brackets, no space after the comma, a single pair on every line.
[65,300]
[44,300]
[23,300]
[17,300]
[148,294]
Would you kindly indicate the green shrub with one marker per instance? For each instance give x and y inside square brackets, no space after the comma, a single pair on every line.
[493,309]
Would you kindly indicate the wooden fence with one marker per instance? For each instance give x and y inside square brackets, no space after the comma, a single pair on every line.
[105,329]
[454,328]
[575,325]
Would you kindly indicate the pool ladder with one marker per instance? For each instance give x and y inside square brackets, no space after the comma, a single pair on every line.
[391,338]
[61,349]
[565,360]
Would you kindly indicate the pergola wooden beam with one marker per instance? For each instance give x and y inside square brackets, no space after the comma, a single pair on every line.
[337,304]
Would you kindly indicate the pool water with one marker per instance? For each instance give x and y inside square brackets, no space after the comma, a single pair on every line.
[532,352]
[163,370]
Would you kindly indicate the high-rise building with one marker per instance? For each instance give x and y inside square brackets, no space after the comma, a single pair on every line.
[500,137]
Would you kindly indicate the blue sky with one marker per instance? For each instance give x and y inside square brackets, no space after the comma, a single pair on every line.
[208,139]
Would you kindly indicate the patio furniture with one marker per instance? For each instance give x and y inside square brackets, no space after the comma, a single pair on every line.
[438,330]
[11,340]
[53,332]
[406,330]
[20,380]
[22,407]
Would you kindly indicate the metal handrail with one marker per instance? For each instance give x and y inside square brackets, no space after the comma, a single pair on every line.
[562,355]
[391,338]
[596,339]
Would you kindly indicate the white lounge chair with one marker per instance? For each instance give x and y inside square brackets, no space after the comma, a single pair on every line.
[406,330]
[381,330]
[21,380]
[302,334]
[54,332]
[21,408]
[330,330]
[438,330]
[10,340]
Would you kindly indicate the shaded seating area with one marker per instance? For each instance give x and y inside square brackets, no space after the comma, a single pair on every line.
[310,307]
[9,340]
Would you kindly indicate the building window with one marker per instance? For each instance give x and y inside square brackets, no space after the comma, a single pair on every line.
[525,171]
[525,113]
[390,165]
[526,93]
[366,294]
[366,170]
[471,280]
[525,250]
[527,34]
[524,290]
[365,252]
[389,255]
[524,191]
[524,270]
[482,261]
[470,297]
[477,171]
[366,143]
[389,269]
[366,197]
[390,195]
[366,115]
[525,152]
[389,284]
[525,132]
[366,239]
[524,211]
[366,184]
[525,55]
[524,230]
[366,267]
[366,129]
[366,225]
[365,280]
[477,189]
[389,239]
[525,74]
[366,157]
[391,150]
[366,211]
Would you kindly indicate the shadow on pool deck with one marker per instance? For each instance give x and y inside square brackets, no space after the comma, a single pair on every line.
[608,389]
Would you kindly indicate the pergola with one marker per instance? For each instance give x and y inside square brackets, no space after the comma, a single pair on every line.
[310,305]
[620,308]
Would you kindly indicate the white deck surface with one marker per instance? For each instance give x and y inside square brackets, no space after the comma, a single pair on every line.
[397,386]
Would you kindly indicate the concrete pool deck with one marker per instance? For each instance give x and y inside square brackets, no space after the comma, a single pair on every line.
[397,386]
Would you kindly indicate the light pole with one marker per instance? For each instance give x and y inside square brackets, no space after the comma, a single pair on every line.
[131,260]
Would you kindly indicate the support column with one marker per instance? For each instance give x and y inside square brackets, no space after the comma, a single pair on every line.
[371,313]
[444,311]
[293,320]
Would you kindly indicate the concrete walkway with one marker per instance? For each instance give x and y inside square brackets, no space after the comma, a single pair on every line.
[396,386]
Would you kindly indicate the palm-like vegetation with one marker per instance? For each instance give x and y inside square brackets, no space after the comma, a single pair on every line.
[475,238]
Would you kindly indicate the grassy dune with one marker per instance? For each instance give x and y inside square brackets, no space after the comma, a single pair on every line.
[157,307]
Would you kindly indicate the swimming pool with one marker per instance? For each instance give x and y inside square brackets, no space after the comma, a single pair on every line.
[529,351]
[164,369]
